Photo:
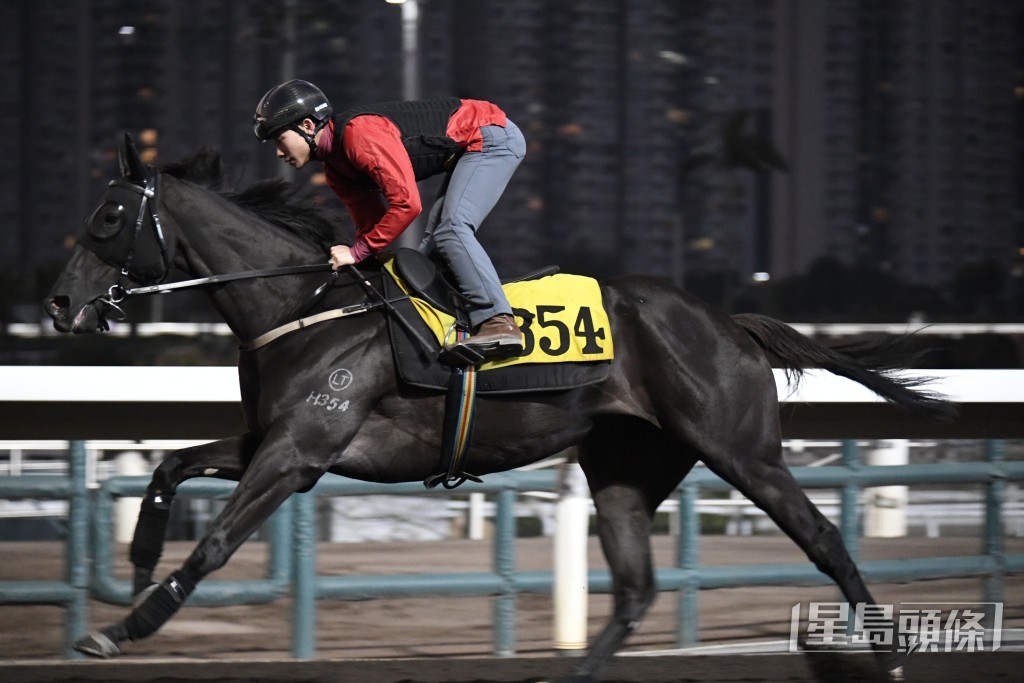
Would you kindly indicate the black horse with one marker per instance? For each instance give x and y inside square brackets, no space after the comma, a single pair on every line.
[688,383]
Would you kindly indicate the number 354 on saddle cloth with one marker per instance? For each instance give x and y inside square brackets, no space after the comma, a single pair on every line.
[563,320]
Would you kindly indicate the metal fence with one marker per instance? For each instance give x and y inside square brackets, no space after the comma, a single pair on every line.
[292,541]
[73,592]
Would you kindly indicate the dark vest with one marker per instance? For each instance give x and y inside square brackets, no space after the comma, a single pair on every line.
[424,127]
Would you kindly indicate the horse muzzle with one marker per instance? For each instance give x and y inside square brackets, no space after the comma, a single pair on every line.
[88,319]
[82,298]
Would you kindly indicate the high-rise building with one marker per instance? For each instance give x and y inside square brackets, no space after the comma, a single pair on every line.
[44,132]
[176,76]
[897,118]
[498,53]
[953,186]
[725,97]
[896,121]
[585,135]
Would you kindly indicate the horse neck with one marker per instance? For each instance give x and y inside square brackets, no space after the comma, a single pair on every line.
[216,237]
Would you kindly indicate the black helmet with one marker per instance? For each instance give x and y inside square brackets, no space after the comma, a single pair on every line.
[286,105]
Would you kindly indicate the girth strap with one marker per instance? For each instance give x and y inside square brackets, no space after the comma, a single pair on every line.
[459,413]
[333,314]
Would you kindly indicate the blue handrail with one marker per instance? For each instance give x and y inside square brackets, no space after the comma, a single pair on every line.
[292,536]
[73,592]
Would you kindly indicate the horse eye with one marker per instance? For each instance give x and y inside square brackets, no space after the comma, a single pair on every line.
[106,221]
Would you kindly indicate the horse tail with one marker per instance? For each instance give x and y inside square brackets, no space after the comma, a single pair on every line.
[871,364]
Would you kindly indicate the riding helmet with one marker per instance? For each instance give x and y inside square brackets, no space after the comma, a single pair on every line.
[286,105]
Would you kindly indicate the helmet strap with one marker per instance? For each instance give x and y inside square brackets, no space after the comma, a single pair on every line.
[310,138]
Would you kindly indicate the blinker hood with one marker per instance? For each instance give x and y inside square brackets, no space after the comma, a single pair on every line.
[122,230]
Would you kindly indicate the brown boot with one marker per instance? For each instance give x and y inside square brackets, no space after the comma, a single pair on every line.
[497,337]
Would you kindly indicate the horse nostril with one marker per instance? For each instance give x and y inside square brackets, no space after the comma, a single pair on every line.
[57,305]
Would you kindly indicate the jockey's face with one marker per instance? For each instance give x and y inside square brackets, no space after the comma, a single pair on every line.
[292,148]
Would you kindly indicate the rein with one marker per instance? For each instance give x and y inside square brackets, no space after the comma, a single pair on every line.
[118,292]
[380,302]
[226,277]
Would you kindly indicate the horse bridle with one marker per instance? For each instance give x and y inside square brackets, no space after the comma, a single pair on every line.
[119,291]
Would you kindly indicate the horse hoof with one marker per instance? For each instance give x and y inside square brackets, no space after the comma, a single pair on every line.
[141,596]
[892,661]
[97,645]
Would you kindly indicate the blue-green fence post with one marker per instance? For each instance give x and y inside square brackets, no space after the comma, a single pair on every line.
[849,522]
[505,567]
[304,576]
[688,608]
[78,562]
[849,525]
[995,496]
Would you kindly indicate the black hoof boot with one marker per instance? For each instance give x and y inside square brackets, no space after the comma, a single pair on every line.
[96,644]
[140,596]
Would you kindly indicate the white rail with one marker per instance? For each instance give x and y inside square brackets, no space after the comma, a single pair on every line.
[213,384]
[153,329]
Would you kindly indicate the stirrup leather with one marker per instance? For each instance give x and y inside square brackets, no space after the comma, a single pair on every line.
[459,413]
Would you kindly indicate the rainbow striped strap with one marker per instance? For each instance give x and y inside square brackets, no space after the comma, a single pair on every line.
[459,412]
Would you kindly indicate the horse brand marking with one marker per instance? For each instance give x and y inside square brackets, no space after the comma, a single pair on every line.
[340,379]
[326,401]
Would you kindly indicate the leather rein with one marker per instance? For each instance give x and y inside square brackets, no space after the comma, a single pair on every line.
[118,292]
[378,301]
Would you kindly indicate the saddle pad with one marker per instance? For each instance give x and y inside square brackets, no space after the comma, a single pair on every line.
[557,341]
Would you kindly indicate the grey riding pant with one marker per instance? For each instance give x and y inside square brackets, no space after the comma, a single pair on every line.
[476,184]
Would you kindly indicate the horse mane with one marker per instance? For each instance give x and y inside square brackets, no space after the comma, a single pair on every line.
[276,201]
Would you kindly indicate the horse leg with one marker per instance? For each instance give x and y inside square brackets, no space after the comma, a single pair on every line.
[224,459]
[754,465]
[626,493]
[270,478]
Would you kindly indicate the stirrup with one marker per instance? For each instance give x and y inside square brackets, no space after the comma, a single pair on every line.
[449,480]
[460,356]
[454,355]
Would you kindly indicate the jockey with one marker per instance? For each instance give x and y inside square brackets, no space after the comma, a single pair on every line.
[372,158]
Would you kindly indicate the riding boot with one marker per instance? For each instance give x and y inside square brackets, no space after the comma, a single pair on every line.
[496,337]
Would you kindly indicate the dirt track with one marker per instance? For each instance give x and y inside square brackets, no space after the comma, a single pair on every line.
[455,634]
[798,668]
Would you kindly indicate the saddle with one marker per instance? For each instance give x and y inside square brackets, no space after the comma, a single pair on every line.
[423,279]
[433,314]
[567,333]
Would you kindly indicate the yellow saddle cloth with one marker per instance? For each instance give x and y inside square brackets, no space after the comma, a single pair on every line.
[562,317]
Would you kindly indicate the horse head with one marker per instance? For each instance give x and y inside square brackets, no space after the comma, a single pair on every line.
[122,242]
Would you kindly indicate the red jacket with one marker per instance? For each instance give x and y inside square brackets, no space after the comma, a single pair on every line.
[372,150]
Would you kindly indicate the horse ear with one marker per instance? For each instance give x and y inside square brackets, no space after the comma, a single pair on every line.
[132,168]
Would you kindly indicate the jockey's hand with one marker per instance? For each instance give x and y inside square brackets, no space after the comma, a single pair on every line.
[341,255]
